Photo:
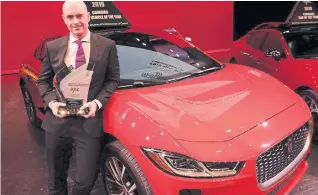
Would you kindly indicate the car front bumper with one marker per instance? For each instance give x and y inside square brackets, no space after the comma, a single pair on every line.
[252,146]
[245,183]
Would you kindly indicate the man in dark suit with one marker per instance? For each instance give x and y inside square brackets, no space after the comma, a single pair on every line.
[84,132]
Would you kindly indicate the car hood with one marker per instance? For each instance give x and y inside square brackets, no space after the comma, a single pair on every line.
[215,107]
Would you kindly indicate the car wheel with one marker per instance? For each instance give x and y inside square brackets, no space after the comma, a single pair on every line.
[311,100]
[29,107]
[121,172]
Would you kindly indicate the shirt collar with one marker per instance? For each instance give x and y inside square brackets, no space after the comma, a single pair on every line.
[85,39]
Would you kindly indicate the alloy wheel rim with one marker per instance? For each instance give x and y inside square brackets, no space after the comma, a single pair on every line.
[119,180]
[313,109]
[28,105]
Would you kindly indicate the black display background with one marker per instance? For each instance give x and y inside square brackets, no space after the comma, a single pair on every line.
[248,14]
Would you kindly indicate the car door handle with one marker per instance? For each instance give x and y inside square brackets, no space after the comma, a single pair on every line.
[259,62]
[244,53]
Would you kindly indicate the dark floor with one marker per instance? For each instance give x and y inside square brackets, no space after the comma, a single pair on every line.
[23,168]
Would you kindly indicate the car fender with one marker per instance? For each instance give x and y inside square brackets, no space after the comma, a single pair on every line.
[133,128]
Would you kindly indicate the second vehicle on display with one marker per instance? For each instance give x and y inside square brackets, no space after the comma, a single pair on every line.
[287,51]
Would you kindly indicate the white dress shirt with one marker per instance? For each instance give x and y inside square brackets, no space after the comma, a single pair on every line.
[70,56]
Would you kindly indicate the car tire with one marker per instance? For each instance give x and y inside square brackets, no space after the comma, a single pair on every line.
[311,99]
[115,153]
[29,107]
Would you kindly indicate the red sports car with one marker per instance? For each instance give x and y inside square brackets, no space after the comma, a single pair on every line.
[288,52]
[183,123]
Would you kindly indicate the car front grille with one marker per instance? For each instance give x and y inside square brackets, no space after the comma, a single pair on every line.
[273,161]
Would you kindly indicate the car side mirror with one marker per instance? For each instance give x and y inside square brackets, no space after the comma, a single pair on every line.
[274,53]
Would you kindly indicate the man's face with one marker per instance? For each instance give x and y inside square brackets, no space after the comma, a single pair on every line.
[76,19]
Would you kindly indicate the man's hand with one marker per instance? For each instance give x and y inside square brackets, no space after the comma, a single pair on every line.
[92,106]
[55,106]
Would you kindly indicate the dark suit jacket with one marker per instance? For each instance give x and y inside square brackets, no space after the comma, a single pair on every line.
[104,82]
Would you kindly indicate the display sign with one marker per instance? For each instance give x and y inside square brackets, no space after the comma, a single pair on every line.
[105,14]
[303,12]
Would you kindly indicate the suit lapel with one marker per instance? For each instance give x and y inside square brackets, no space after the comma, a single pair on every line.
[62,51]
[95,51]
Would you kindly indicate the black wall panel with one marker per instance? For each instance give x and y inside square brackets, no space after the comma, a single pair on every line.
[248,14]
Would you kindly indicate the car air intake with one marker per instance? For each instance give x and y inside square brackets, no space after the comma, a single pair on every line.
[281,185]
[190,192]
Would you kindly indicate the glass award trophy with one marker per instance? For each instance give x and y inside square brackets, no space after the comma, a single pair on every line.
[71,87]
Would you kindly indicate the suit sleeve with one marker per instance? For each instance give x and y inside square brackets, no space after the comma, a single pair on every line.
[45,80]
[112,77]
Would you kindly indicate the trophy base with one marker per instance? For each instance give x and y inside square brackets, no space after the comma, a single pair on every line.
[72,111]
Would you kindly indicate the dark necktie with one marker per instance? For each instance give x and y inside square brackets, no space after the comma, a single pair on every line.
[80,55]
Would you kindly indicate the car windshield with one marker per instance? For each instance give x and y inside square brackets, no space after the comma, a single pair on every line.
[303,45]
[153,60]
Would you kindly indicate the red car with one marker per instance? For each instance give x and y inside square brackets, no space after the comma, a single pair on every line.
[183,123]
[288,52]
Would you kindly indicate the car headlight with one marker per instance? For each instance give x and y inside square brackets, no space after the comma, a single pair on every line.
[178,164]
